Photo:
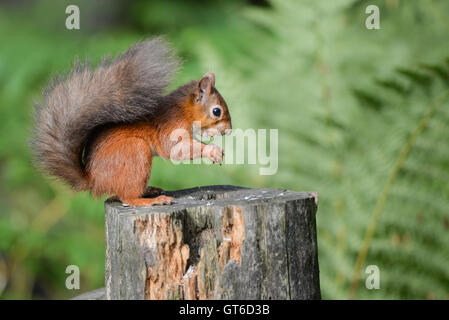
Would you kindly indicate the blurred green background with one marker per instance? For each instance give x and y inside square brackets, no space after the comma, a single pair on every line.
[363,119]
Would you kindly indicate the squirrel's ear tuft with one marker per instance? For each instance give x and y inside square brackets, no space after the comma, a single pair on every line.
[206,83]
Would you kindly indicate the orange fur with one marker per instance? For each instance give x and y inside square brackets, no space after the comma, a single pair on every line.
[118,159]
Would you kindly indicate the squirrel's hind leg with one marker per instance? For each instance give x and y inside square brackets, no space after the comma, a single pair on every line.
[121,165]
[142,202]
[138,174]
[149,191]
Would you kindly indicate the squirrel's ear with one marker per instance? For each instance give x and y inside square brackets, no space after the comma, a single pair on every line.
[206,83]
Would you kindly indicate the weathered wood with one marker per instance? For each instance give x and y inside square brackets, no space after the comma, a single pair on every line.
[98,294]
[220,242]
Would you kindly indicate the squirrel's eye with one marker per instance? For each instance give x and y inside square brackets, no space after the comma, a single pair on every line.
[216,112]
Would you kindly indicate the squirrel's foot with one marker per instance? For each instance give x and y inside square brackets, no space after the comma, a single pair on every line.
[152,191]
[144,202]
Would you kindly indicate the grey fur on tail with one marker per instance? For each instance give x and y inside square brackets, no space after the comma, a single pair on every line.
[122,90]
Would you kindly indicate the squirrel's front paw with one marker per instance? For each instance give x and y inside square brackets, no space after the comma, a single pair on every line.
[214,153]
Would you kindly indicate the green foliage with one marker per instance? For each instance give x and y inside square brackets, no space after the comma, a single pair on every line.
[362,118]
[366,137]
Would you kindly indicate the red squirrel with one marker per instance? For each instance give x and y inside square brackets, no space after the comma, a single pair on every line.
[98,129]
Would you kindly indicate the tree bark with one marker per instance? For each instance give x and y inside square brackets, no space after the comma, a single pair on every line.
[219,242]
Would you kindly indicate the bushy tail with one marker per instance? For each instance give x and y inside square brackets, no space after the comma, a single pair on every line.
[122,90]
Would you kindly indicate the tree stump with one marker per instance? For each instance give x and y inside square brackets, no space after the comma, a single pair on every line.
[218,242]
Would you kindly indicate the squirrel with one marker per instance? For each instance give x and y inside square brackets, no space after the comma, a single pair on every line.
[98,129]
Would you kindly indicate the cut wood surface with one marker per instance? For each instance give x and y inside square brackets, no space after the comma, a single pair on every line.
[218,242]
